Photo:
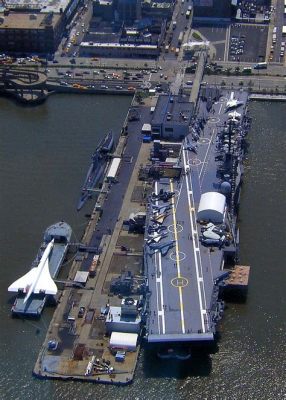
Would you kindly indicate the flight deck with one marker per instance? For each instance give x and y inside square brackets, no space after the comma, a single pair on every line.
[184,257]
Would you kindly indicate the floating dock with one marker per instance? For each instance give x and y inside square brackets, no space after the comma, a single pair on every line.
[61,233]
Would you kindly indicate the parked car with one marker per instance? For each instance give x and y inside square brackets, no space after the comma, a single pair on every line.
[81,312]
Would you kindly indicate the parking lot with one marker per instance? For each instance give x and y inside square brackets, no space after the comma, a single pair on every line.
[217,36]
[247,43]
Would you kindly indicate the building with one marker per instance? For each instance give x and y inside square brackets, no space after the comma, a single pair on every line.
[212,10]
[128,10]
[123,341]
[157,9]
[30,33]
[34,27]
[104,9]
[142,39]
[172,117]
[125,318]
[119,50]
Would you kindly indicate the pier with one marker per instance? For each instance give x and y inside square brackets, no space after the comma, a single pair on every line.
[81,337]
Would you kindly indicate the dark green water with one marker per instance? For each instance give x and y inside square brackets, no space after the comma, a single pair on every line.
[44,153]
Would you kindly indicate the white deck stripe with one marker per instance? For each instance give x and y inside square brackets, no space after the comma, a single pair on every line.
[195,253]
[159,283]
[207,152]
[162,296]
[178,262]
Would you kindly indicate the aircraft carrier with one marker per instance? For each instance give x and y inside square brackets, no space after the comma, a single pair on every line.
[192,239]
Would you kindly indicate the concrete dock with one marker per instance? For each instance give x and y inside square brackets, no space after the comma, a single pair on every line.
[79,339]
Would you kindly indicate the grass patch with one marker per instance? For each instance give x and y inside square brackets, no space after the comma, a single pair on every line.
[197,36]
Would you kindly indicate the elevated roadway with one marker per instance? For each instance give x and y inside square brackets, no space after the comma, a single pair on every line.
[25,85]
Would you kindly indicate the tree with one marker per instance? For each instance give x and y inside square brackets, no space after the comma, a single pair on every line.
[139,97]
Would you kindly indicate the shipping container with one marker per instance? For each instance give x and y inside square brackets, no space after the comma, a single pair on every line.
[93,266]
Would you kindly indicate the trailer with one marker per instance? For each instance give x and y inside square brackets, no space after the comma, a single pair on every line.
[180,38]
[113,169]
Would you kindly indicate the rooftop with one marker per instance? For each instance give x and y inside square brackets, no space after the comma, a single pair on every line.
[118,45]
[178,107]
[19,20]
[44,6]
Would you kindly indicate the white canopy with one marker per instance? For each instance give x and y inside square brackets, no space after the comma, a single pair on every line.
[122,340]
[196,45]
[211,207]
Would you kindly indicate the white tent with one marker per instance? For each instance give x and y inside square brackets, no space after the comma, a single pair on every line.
[122,340]
[113,169]
[194,45]
[211,207]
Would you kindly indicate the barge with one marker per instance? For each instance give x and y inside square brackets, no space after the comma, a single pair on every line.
[57,238]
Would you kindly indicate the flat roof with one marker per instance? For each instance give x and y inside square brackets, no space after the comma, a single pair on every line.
[113,169]
[81,276]
[19,20]
[119,45]
[178,107]
[44,6]
[103,2]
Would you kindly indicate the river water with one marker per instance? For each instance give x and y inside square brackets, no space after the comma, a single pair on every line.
[44,154]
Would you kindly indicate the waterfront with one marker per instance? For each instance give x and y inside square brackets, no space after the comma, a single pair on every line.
[250,362]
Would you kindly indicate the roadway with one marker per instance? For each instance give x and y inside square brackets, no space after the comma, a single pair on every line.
[279,21]
[256,82]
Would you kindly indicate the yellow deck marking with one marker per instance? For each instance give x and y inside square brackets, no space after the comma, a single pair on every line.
[177,259]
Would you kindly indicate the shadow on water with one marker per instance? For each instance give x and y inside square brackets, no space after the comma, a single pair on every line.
[11,299]
[200,364]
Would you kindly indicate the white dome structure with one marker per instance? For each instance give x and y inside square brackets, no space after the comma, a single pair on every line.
[212,207]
